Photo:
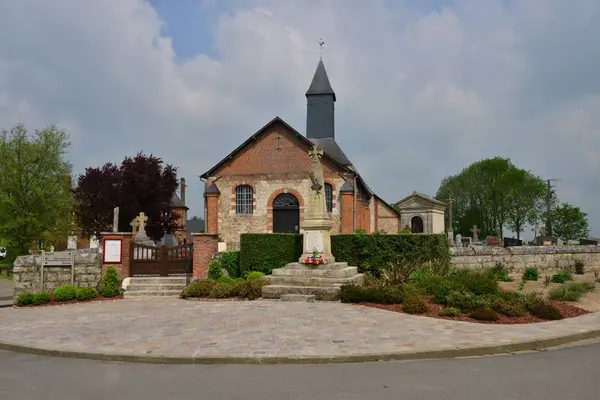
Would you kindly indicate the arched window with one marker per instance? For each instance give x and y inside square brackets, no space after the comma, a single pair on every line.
[244,196]
[329,197]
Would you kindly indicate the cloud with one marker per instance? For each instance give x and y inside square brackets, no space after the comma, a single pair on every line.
[422,92]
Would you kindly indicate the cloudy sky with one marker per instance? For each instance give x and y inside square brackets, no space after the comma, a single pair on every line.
[424,87]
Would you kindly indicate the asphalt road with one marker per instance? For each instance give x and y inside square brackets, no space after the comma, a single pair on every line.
[571,373]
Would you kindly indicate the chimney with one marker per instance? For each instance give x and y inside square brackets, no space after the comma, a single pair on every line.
[182,190]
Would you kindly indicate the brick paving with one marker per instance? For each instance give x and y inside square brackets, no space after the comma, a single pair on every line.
[258,329]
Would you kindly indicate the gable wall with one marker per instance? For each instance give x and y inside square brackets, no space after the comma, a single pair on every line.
[387,220]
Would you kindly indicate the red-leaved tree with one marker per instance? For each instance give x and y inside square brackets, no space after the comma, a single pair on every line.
[140,184]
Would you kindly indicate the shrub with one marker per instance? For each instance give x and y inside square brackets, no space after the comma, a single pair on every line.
[510,309]
[531,274]
[86,293]
[198,288]
[529,300]
[379,295]
[435,285]
[484,314]
[230,262]
[476,282]
[352,294]
[572,291]
[215,271]
[227,279]
[221,291]
[65,293]
[546,311]
[579,267]
[414,305]
[111,283]
[241,289]
[449,312]
[375,252]
[562,277]
[41,298]
[25,299]
[466,301]
[266,251]
[392,295]
[255,288]
[253,275]
[500,273]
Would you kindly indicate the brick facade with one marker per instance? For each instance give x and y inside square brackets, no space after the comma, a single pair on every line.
[122,268]
[205,245]
[277,162]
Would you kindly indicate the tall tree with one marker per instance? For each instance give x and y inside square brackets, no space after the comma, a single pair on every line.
[34,185]
[570,223]
[493,194]
[140,184]
[525,199]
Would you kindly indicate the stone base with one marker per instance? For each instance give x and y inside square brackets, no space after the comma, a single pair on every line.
[322,281]
[306,298]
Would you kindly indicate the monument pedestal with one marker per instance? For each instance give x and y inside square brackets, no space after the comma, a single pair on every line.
[317,239]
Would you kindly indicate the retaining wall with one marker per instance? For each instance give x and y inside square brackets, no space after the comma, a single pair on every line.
[519,258]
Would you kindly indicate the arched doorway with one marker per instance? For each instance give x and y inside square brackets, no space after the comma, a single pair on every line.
[286,214]
[416,224]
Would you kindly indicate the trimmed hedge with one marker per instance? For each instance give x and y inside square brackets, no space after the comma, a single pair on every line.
[265,252]
[372,253]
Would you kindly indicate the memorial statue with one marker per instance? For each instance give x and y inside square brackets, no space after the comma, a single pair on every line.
[317,208]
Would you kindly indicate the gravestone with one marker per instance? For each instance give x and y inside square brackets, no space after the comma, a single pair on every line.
[492,241]
[588,242]
[466,242]
[512,242]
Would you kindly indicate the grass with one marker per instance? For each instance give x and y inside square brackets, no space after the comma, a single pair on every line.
[571,291]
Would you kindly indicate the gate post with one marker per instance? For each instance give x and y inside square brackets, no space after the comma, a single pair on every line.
[205,245]
[126,238]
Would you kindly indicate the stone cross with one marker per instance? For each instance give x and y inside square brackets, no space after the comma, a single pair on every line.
[116,219]
[475,233]
[139,222]
[317,208]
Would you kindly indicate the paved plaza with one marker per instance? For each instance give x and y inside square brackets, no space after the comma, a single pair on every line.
[179,331]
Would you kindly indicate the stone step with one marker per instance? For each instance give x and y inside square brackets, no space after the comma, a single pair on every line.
[150,287]
[159,280]
[312,281]
[310,272]
[335,265]
[150,294]
[322,293]
[307,298]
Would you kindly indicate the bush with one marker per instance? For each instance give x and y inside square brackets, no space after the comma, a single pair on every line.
[379,295]
[215,270]
[562,277]
[111,283]
[86,293]
[546,311]
[484,314]
[227,279]
[414,305]
[531,274]
[41,298]
[476,282]
[255,288]
[65,293]
[230,262]
[579,267]
[221,291]
[352,294]
[253,275]
[510,309]
[449,312]
[198,288]
[500,273]
[572,291]
[25,299]
[267,251]
[373,253]
[435,285]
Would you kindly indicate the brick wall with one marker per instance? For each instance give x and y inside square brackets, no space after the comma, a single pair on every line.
[181,232]
[123,267]
[205,245]
[387,220]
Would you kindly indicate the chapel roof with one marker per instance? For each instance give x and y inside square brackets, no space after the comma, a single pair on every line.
[320,82]
[176,202]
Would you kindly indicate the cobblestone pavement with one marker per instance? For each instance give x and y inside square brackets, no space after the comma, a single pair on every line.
[179,329]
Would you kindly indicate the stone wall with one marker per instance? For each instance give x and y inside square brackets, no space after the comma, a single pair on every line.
[550,258]
[88,272]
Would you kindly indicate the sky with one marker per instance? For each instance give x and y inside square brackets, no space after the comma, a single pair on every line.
[424,88]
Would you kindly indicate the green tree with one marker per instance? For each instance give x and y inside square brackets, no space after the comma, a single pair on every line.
[570,223]
[35,194]
[525,199]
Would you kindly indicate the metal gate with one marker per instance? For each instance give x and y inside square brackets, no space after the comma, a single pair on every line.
[161,261]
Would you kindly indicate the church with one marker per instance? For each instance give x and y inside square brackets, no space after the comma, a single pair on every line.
[262,185]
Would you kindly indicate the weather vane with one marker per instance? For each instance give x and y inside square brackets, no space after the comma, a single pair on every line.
[321,43]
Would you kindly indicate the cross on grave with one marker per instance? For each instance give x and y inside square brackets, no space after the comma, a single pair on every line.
[139,222]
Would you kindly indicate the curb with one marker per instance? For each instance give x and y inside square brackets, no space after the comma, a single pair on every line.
[452,352]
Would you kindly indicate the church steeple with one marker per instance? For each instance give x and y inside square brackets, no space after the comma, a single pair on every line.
[320,106]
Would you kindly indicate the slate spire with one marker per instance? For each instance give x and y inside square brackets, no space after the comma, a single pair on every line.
[320,106]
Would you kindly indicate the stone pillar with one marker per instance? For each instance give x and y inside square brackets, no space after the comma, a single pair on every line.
[212,213]
[347,212]
[205,245]
[123,267]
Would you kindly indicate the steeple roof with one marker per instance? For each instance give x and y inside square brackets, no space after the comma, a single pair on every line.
[320,82]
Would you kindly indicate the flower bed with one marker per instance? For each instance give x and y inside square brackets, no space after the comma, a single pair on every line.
[53,302]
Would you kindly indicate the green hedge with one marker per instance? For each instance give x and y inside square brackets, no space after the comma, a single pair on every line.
[372,253]
[265,252]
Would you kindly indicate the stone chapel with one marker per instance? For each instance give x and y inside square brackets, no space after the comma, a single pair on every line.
[262,186]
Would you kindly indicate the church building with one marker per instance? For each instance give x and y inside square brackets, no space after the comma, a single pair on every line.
[262,186]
